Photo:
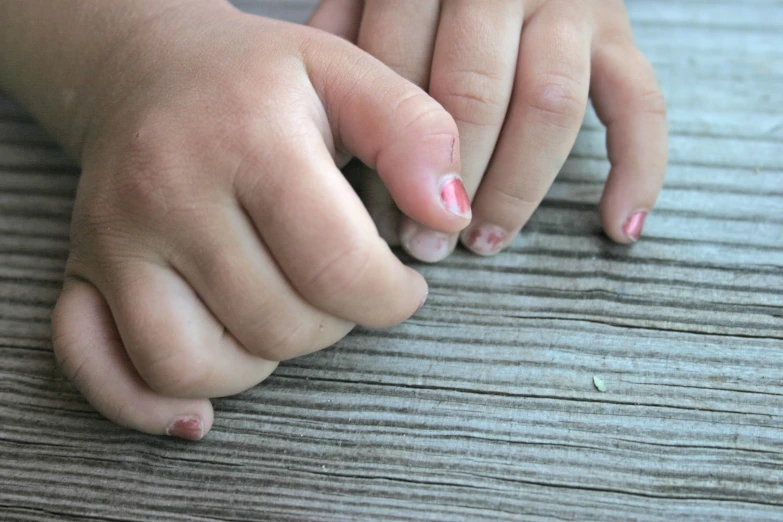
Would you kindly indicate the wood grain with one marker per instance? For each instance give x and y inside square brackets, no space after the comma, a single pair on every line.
[481,407]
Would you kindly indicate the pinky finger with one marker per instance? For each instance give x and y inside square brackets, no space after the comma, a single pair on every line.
[629,101]
[89,350]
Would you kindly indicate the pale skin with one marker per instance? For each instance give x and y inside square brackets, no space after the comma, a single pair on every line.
[516,76]
[213,234]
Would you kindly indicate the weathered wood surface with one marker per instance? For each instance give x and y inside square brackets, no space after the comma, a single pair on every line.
[481,407]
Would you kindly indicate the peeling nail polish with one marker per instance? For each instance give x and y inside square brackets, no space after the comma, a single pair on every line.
[424,244]
[454,197]
[188,427]
[486,239]
[633,227]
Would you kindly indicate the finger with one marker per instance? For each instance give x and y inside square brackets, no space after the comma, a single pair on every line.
[89,351]
[394,127]
[381,207]
[546,112]
[319,233]
[224,261]
[175,343]
[401,34]
[474,83]
[339,17]
[629,101]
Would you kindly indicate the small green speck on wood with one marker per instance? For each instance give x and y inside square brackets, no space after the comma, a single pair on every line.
[599,384]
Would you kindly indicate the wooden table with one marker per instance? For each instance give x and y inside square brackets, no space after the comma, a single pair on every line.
[481,407]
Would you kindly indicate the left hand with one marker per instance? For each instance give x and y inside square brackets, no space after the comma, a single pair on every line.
[516,76]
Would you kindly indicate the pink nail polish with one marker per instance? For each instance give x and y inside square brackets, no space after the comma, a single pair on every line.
[486,239]
[633,227]
[189,428]
[455,198]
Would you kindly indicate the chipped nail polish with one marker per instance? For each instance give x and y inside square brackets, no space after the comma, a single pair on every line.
[454,197]
[633,227]
[485,239]
[188,427]
[424,244]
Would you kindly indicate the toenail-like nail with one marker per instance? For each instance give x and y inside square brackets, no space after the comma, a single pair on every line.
[486,239]
[454,197]
[633,227]
[188,427]
[424,244]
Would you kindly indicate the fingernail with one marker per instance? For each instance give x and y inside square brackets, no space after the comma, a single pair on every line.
[485,239]
[633,227]
[423,300]
[424,244]
[454,197]
[187,427]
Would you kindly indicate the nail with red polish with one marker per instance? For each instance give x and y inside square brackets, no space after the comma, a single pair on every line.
[188,427]
[454,197]
[485,239]
[633,227]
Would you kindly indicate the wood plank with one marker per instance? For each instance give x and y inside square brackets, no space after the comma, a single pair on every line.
[481,407]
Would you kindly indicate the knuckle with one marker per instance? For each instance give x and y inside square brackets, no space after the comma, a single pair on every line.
[637,87]
[280,341]
[510,200]
[341,273]
[649,99]
[557,96]
[269,330]
[151,190]
[97,231]
[420,114]
[473,96]
[175,374]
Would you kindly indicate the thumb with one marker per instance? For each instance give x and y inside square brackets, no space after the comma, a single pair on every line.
[394,127]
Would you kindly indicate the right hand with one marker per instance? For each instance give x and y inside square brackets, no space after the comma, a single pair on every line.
[213,235]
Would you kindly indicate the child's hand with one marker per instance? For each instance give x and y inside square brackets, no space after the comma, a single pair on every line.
[516,74]
[213,234]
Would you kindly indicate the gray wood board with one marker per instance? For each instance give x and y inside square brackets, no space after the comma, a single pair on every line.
[482,406]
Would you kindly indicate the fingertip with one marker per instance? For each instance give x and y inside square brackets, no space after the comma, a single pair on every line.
[424,243]
[420,294]
[192,426]
[454,197]
[623,213]
[629,101]
[485,239]
[396,128]
[627,228]
[88,348]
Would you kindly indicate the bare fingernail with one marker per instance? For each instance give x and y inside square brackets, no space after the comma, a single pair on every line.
[454,196]
[424,244]
[189,427]
[485,239]
[423,300]
[633,227]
